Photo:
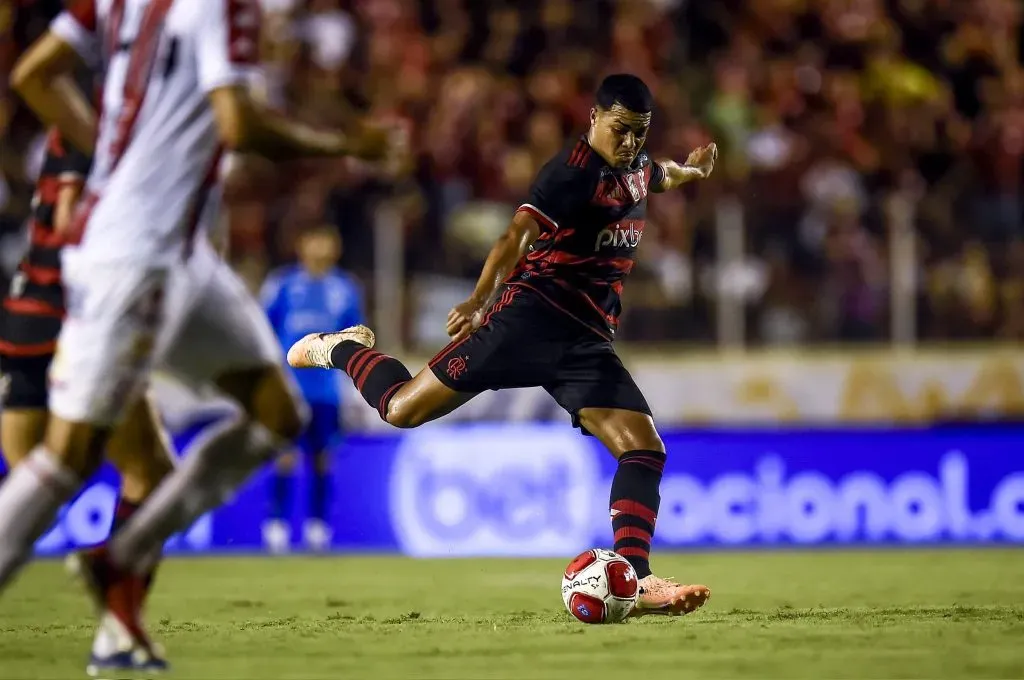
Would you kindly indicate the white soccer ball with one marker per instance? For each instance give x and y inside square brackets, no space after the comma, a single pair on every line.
[600,586]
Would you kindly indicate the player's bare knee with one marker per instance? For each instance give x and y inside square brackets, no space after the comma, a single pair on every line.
[139,481]
[145,472]
[138,452]
[21,430]
[77,446]
[621,431]
[421,400]
[635,436]
[404,416]
[285,419]
[408,411]
[264,395]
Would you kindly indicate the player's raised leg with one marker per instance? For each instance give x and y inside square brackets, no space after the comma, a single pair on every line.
[634,501]
[448,381]
[383,381]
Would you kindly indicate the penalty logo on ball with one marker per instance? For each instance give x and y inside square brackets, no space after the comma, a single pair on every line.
[599,586]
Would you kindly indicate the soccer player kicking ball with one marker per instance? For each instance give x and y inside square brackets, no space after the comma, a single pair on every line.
[544,312]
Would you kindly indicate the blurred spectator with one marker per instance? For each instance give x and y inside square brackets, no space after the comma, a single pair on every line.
[824,110]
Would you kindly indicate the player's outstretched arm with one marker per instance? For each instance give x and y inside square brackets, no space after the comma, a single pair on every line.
[245,125]
[699,165]
[507,251]
[43,79]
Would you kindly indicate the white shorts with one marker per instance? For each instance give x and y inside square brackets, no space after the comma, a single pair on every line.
[194,320]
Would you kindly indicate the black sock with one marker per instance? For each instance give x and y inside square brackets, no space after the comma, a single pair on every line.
[122,513]
[377,376]
[280,493]
[319,494]
[634,502]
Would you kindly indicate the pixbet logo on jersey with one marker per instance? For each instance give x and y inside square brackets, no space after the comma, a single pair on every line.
[492,490]
[620,235]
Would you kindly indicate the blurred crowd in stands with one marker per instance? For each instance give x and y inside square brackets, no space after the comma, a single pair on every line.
[839,122]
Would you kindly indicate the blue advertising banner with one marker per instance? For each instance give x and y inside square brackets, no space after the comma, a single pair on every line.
[521,489]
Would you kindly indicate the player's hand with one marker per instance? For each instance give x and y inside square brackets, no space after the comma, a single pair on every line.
[464,319]
[703,159]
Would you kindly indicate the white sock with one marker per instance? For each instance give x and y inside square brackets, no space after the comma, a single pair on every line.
[213,468]
[29,501]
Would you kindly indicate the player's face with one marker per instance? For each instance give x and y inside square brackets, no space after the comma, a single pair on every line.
[618,134]
[319,251]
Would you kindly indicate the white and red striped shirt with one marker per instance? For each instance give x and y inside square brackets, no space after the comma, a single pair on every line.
[155,177]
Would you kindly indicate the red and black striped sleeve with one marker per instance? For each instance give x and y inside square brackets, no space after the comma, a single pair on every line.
[562,188]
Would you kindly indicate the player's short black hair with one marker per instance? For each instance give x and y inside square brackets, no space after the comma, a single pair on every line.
[626,90]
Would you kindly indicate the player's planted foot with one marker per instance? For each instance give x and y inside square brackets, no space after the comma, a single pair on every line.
[314,350]
[668,598]
[117,596]
[113,651]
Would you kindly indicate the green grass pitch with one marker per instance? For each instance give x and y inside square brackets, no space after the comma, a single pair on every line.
[842,614]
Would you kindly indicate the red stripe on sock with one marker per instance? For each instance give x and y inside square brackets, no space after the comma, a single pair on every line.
[628,507]
[125,508]
[358,366]
[632,532]
[369,369]
[634,552]
[351,359]
[652,463]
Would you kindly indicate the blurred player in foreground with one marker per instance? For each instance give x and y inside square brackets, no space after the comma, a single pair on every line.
[299,300]
[144,287]
[30,321]
[544,312]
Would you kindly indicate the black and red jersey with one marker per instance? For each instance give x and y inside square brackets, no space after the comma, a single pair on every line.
[34,307]
[592,218]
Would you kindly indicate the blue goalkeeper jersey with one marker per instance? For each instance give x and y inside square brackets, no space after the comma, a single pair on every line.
[298,303]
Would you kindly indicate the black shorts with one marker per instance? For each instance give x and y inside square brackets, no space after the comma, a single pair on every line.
[24,381]
[526,342]
[24,377]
